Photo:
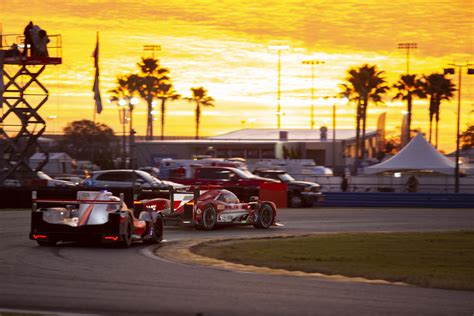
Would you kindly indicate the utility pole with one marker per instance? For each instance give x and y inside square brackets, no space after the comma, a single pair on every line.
[312,62]
[470,71]
[407,47]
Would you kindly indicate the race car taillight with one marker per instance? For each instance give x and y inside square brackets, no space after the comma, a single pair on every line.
[111,237]
[38,236]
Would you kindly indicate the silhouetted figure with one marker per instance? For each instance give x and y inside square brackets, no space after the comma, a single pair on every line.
[35,41]
[13,51]
[28,42]
[412,184]
[44,40]
[344,184]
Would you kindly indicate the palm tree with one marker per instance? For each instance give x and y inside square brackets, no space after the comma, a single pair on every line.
[125,90]
[126,87]
[367,84]
[408,87]
[349,93]
[149,86]
[166,92]
[200,98]
[438,88]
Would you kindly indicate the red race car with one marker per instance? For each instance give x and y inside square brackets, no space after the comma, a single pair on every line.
[205,209]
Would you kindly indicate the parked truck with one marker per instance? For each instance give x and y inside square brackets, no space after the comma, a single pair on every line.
[241,182]
[246,184]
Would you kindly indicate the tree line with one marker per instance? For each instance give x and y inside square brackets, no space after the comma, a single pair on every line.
[154,83]
[363,86]
[367,84]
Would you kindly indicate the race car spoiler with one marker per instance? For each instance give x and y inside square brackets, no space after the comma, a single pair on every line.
[188,195]
[35,201]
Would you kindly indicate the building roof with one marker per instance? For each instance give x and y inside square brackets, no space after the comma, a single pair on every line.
[292,134]
[417,155]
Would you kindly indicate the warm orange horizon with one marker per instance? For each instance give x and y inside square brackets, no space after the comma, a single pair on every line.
[224,47]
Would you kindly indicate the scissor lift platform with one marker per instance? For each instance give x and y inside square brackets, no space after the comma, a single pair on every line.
[21,97]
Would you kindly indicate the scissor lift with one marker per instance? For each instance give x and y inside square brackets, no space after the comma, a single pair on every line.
[21,97]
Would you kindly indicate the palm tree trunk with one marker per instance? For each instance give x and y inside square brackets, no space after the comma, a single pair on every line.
[431,127]
[163,109]
[436,115]
[431,118]
[409,106]
[149,126]
[356,158]
[198,118]
[364,125]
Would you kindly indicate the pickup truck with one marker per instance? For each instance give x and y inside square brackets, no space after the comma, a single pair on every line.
[242,183]
[300,193]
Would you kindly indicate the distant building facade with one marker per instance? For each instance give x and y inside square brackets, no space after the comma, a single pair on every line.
[319,145]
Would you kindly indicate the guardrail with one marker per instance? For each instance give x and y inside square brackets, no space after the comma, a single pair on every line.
[21,197]
[378,183]
[381,199]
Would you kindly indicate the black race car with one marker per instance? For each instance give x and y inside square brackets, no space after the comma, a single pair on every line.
[95,216]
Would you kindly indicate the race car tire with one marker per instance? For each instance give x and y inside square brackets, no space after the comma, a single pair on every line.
[44,243]
[157,236]
[127,237]
[209,218]
[296,200]
[265,217]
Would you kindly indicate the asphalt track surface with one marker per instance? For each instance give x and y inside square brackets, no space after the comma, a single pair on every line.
[96,280]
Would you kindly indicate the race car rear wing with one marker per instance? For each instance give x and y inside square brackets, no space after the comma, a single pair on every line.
[35,201]
[183,198]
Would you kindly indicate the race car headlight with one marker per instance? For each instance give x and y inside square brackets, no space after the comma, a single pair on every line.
[198,211]
[307,189]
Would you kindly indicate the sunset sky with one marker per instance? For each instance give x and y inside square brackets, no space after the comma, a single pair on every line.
[224,47]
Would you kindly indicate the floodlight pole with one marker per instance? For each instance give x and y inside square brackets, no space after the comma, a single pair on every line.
[279,91]
[279,49]
[458,123]
[312,63]
[152,48]
[407,46]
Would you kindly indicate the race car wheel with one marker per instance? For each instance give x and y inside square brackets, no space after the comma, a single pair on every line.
[209,218]
[45,243]
[127,237]
[265,217]
[157,236]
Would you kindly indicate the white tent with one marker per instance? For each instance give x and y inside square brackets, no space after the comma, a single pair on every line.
[417,155]
[57,163]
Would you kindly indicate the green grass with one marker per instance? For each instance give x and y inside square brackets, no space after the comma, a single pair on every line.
[440,260]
